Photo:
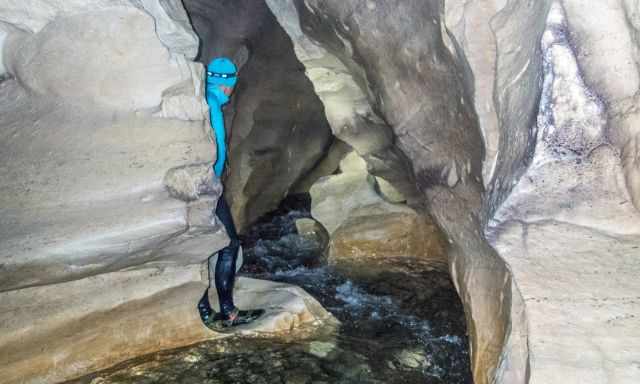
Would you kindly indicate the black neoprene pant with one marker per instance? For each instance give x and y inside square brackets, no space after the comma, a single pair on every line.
[225,271]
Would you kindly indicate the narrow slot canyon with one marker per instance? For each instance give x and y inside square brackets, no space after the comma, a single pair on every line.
[426,191]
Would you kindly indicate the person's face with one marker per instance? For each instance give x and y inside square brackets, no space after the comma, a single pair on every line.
[226,90]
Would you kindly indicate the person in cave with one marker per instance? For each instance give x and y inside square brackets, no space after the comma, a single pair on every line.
[221,80]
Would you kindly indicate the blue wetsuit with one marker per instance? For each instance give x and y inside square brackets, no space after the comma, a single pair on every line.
[221,72]
[216,99]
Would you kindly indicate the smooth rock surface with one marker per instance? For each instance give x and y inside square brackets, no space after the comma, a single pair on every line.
[107,193]
[114,70]
[146,310]
[375,239]
[85,191]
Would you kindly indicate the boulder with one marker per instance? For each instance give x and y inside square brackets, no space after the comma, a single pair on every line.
[334,197]
[367,234]
[389,192]
[313,231]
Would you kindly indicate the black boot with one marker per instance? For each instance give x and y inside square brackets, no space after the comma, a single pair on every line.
[222,323]
[204,308]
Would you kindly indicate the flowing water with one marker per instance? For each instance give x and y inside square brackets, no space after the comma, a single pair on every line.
[394,328]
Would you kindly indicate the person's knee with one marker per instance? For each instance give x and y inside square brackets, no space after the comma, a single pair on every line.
[234,243]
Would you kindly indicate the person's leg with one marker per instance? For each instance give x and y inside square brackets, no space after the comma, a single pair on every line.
[225,270]
[223,275]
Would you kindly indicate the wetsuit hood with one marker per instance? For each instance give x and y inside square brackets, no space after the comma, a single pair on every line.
[221,71]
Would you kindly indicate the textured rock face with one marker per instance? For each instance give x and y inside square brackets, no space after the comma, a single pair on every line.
[340,83]
[368,235]
[107,196]
[90,175]
[514,122]
[115,71]
[420,91]
[539,218]
[334,197]
[107,191]
[569,230]
[607,34]
[277,127]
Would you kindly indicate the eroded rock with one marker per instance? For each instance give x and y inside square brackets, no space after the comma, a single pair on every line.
[376,239]
[443,85]
[334,197]
[107,198]
[142,311]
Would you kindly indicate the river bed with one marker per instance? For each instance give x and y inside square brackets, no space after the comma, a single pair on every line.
[393,328]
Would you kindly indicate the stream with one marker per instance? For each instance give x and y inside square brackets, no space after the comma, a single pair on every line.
[394,328]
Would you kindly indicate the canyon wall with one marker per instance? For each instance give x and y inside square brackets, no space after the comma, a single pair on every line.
[521,142]
[513,123]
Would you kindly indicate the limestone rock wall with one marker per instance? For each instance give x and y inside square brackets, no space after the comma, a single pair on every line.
[86,148]
[569,230]
[107,191]
[512,122]
[606,40]
[527,162]
[407,73]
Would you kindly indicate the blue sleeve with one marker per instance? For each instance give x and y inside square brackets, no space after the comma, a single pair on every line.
[217,123]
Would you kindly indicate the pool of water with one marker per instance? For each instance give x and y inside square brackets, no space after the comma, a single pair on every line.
[394,328]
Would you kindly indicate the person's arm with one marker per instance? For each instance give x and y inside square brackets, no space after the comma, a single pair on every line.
[217,123]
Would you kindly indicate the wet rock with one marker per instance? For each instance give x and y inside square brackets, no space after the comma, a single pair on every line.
[412,359]
[313,230]
[321,349]
[296,377]
[377,239]
[168,319]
